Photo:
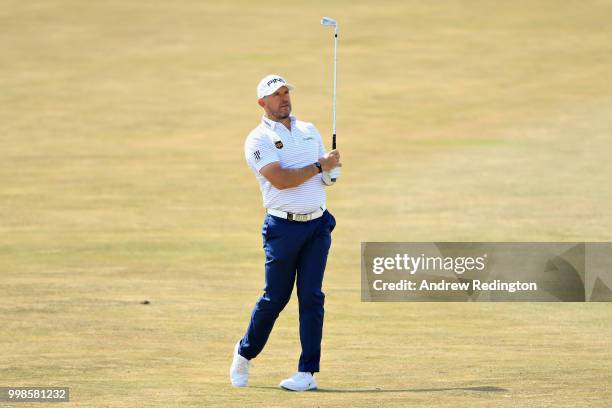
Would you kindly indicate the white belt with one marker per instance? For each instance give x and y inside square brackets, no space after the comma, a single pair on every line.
[296,217]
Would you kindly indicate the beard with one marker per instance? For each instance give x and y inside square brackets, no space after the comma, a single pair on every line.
[282,113]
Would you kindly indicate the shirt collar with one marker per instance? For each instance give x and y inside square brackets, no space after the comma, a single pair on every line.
[272,124]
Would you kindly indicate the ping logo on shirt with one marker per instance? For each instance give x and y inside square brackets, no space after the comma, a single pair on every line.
[279,144]
[257,155]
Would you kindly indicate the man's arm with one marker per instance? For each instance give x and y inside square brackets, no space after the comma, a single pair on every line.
[282,178]
[287,178]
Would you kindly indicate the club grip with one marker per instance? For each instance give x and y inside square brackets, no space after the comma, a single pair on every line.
[333,147]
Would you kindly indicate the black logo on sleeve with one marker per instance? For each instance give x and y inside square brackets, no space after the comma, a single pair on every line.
[279,144]
[257,155]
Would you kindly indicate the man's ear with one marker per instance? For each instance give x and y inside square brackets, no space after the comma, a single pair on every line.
[261,102]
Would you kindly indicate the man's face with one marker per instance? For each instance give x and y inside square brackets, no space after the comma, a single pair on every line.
[278,104]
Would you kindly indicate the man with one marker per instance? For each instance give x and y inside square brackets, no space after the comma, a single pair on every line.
[292,167]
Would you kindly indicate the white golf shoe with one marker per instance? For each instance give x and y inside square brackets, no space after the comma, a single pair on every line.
[299,382]
[239,371]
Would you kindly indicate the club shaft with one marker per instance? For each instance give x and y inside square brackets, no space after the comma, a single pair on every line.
[334,91]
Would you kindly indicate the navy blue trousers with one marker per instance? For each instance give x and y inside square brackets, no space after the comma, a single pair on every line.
[295,251]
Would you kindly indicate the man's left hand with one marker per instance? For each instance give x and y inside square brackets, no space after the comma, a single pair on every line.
[330,177]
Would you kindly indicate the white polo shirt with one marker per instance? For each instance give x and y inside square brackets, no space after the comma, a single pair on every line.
[272,142]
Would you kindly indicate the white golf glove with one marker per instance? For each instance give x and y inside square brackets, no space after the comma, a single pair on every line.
[330,177]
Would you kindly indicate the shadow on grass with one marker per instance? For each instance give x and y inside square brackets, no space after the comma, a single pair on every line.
[485,388]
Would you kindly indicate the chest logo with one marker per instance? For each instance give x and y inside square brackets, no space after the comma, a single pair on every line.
[279,144]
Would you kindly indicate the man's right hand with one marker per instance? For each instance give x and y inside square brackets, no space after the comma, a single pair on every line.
[330,161]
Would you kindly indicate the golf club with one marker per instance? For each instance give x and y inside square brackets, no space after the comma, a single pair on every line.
[330,22]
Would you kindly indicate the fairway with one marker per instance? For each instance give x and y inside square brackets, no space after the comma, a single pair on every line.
[123,180]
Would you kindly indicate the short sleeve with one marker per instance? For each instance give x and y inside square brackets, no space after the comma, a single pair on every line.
[259,152]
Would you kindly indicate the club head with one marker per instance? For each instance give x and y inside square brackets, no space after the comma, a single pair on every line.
[328,22]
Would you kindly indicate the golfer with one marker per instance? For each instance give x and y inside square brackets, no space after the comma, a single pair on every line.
[292,167]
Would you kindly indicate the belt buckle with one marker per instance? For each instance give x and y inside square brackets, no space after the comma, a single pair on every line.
[301,217]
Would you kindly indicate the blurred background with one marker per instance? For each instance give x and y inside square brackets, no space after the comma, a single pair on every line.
[122,179]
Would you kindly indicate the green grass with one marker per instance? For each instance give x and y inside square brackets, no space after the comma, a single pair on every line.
[122,179]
